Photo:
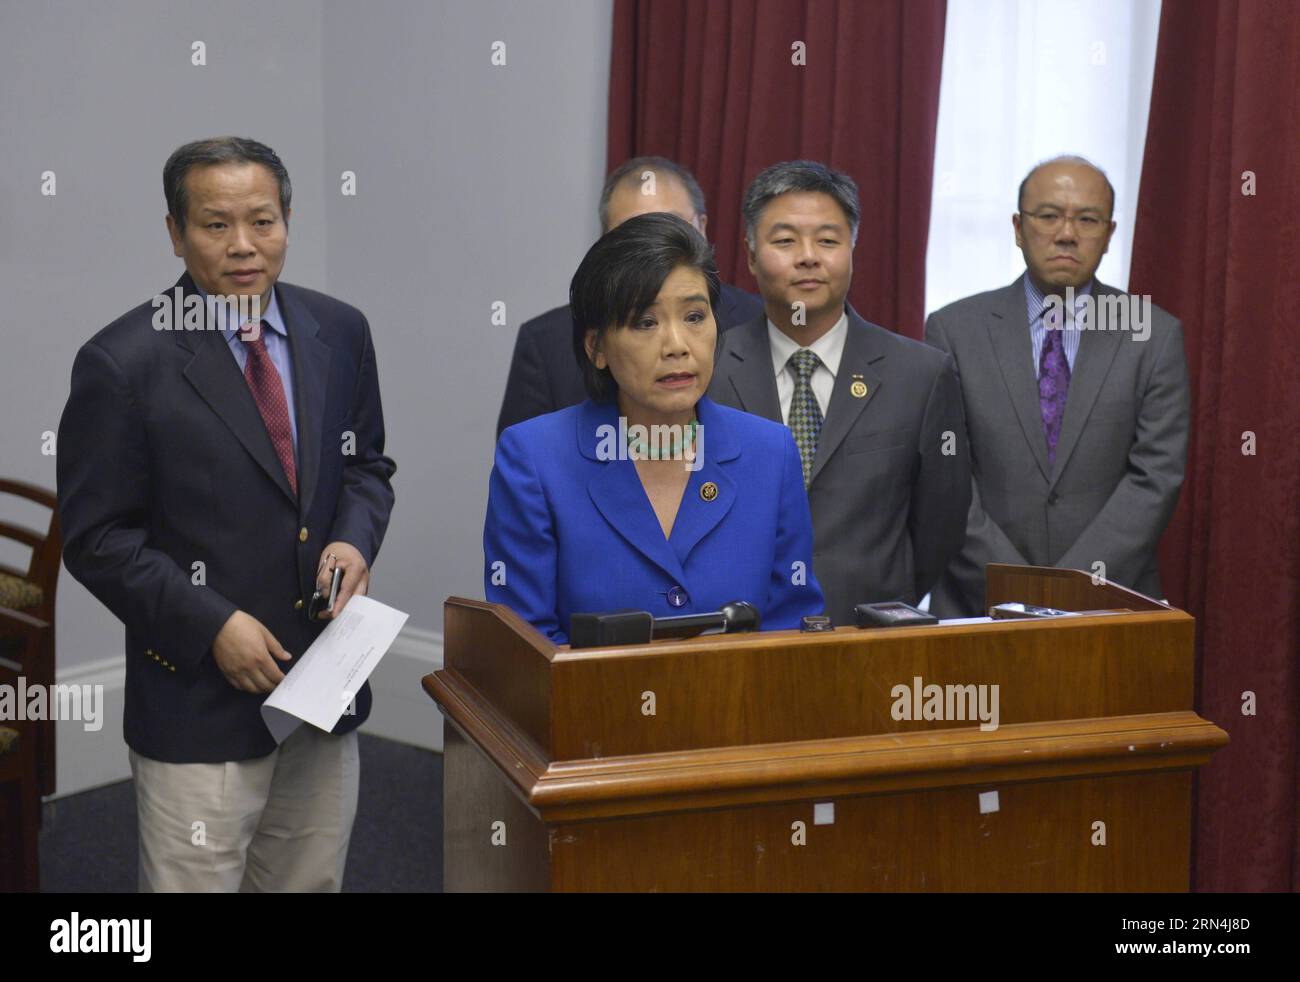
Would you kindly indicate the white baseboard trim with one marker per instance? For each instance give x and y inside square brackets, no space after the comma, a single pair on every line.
[402,711]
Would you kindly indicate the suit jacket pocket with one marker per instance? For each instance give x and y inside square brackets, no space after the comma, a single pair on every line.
[879,440]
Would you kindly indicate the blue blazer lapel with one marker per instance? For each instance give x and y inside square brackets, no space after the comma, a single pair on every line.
[697,517]
[214,373]
[311,363]
[617,493]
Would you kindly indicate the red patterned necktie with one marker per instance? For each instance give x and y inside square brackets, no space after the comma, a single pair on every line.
[268,392]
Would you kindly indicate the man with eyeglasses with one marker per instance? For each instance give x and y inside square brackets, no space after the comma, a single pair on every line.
[1076,399]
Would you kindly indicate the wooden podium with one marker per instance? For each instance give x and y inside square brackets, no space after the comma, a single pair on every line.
[775,761]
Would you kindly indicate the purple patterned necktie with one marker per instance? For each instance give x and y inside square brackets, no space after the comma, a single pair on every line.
[1053,383]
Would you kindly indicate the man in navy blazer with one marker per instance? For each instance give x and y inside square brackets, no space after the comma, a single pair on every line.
[543,374]
[209,480]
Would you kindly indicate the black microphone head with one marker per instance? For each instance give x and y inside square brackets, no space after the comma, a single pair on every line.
[740,615]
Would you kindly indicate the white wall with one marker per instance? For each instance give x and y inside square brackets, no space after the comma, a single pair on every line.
[101,94]
[475,183]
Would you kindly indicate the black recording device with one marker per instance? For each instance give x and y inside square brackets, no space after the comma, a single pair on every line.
[892,613]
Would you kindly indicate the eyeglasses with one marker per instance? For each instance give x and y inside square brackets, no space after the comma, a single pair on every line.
[1050,221]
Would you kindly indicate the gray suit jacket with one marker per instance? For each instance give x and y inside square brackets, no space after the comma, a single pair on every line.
[889,492]
[1120,459]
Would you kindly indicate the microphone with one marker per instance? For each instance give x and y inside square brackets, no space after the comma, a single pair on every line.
[623,627]
[732,618]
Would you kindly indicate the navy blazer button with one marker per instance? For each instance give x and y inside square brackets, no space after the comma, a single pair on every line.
[302,534]
[677,597]
[297,604]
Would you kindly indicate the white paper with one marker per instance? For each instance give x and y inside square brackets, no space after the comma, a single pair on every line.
[322,685]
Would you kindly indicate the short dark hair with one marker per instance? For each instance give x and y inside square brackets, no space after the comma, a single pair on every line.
[1065,158]
[622,274]
[219,150]
[631,169]
[799,175]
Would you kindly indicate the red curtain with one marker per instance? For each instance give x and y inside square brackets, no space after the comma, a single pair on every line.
[714,85]
[1225,114]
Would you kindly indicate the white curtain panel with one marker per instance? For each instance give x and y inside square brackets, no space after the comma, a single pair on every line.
[1024,80]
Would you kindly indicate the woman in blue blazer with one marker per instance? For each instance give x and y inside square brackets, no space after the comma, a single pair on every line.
[649,495]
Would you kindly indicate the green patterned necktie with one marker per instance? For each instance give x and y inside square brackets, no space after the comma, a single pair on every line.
[805,414]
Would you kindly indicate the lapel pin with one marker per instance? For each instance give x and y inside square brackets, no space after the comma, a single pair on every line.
[858,388]
[708,491]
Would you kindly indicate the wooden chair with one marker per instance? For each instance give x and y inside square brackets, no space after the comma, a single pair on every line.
[25,648]
[20,793]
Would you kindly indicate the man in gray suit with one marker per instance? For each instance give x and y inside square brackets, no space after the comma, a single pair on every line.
[1076,402]
[877,417]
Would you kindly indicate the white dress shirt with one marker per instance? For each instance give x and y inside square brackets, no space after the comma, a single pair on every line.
[829,348]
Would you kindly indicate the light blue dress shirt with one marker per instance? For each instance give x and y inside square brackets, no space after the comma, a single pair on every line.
[1036,306]
[277,346]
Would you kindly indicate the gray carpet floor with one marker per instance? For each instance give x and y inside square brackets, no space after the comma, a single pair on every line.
[89,841]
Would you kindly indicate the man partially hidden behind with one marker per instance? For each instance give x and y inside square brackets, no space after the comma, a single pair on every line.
[877,417]
[209,480]
[543,374]
[1077,411]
